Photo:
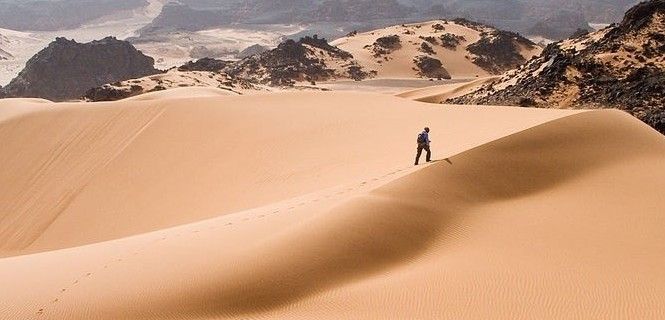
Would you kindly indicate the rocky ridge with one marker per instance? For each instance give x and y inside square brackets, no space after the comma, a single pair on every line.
[309,59]
[622,66]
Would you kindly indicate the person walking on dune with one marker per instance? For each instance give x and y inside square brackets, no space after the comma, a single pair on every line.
[423,144]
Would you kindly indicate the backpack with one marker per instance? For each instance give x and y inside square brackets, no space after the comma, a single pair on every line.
[421,138]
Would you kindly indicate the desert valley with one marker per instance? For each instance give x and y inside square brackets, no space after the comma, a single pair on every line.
[223,159]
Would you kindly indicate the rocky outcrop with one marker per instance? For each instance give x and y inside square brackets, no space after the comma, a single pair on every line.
[622,67]
[499,51]
[66,69]
[205,64]
[451,41]
[109,92]
[385,45]
[431,68]
[426,48]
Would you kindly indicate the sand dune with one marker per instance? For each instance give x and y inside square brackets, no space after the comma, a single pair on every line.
[305,205]
[440,93]
[10,108]
[119,160]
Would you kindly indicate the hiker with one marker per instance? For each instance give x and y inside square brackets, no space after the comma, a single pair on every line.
[423,143]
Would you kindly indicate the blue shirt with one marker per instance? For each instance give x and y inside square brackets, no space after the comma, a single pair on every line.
[426,135]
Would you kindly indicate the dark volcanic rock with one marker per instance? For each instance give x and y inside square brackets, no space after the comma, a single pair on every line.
[641,14]
[499,51]
[111,93]
[205,64]
[451,41]
[426,48]
[321,43]
[388,42]
[67,69]
[386,45]
[620,67]
[431,67]
[470,24]
[293,61]
[430,39]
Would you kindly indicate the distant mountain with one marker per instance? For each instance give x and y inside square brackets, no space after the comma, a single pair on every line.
[180,16]
[360,10]
[40,15]
[540,16]
[192,16]
[561,25]
[622,66]
[535,10]
[67,69]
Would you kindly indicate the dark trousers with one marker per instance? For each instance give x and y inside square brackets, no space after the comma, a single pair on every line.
[420,152]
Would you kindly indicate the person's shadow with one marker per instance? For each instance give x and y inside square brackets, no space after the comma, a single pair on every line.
[446,160]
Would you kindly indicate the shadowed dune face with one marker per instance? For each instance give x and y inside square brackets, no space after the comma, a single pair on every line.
[548,155]
[404,219]
[557,217]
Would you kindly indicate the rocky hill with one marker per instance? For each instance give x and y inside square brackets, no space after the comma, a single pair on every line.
[438,49]
[66,69]
[309,59]
[622,66]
